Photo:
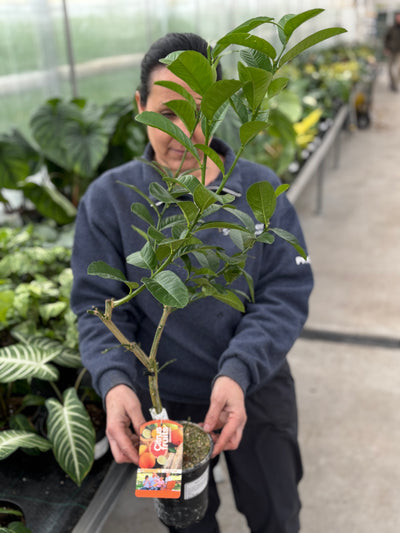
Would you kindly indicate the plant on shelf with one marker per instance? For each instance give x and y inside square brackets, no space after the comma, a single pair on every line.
[75,142]
[209,270]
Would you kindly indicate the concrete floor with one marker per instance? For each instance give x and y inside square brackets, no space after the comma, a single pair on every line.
[348,392]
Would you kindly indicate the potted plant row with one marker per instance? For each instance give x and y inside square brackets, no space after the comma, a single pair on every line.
[209,270]
[42,383]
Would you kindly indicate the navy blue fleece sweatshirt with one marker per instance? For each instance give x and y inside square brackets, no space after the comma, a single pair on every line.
[208,338]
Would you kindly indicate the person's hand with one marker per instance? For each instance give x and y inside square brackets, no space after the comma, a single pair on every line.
[123,411]
[226,411]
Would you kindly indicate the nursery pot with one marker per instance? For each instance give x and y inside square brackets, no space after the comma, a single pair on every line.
[192,504]
[10,512]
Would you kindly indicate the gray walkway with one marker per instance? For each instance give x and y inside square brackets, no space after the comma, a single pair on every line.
[348,392]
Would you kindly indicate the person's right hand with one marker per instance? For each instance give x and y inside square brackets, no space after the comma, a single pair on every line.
[123,411]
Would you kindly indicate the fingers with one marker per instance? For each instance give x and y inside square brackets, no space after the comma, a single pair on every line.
[123,411]
[226,411]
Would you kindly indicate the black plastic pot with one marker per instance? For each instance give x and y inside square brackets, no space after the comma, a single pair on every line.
[12,513]
[192,504]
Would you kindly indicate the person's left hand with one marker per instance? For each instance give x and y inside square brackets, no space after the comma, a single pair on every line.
[226,411]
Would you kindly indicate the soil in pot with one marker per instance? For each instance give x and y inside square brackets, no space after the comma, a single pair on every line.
[192,504]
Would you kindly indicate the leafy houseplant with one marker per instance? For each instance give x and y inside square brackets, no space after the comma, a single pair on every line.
[45,361]
[209,271]
[75,142]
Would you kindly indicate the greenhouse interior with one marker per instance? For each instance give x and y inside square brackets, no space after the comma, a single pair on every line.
[309,98]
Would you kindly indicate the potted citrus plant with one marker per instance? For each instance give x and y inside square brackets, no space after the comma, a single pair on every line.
[176,242]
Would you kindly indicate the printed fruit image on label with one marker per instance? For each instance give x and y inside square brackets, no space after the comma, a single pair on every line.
[160,460]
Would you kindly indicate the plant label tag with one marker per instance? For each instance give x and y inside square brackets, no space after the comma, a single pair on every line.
[160,460]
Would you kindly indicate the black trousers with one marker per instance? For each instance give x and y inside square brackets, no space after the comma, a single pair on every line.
[266,468]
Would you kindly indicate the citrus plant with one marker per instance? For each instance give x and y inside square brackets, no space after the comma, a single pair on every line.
[209,270]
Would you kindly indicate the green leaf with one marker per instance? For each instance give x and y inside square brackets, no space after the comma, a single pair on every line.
[249,130]
[243,217]
[309,41]
[219,224]
[105,271]
[60,354]
[19,361]
[281,189]
[276,86]
[168,289]
[18,160]
[211,154]
[178,89]
[217,95]
[155,120]
[144,258]
[255,84]
[190,211]
[142,212]
[247,40]
[72,434]
[255,58]
[160,193]
[185,112]
[291,239]
[230,298]
[203,197]
[266,238]
[11,440]
[262,201]
[243,28]
[194,69]
[292,22]
[52,310]
[6,303]
[50,202]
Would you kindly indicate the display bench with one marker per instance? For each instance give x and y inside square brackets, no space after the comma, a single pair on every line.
[51,502]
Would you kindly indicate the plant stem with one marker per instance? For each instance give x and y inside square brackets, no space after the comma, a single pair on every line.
[131,346]
[160,328]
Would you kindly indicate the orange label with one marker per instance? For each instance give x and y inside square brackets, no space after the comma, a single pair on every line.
[160,460]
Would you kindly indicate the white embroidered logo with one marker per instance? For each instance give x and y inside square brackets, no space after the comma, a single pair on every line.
[301,261]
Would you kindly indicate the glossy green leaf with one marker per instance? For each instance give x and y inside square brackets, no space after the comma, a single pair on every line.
[217,95]
[194,69]
[185,112]
[12,439]
[142,212]
[281,189]
[255,58]
[249,130]
[71,432]
[246,219]
[20,361]
[241,36]
[255,84]
[103,270]
[144,258]
[178,89]
[276,86]
[160,193]
[211,154]
[190,210]
[203,197]
[241,239]
[218,225]
[309,41]
[266,238]
[230,298]
[291,239]
[292,22]
[155,120]
[168,289]
[262,201]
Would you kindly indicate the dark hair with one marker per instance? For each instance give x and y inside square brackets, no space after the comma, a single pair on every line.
[171,42]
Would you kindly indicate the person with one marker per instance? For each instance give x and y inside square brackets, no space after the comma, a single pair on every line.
[392,50]
[231,371]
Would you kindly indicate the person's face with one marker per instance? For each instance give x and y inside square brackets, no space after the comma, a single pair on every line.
[168,151]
